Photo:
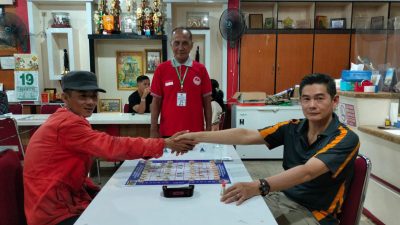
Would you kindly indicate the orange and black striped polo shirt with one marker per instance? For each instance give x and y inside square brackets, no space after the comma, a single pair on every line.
[337,147]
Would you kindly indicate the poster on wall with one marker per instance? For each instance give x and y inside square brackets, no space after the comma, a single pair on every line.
[347,114]
[26,77]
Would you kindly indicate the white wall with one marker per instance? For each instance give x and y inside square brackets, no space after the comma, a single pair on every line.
[106,51]
[179,11]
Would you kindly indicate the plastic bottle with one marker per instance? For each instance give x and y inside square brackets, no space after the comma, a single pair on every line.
[387,122]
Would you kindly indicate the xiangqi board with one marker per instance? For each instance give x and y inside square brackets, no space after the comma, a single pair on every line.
[167,172]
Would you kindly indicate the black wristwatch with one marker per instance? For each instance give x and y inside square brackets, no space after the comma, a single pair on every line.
[264,187]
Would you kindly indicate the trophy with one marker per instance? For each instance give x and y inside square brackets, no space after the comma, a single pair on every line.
[66,63]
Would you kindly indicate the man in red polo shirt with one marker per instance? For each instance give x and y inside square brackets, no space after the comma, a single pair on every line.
[181,90]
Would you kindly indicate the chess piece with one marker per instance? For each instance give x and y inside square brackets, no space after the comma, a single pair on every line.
[66,63]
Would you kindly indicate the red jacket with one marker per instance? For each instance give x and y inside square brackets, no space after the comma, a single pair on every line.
[58,159]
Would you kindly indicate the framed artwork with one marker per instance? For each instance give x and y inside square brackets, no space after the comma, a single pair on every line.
[321,22]
[197,19]
[269,23]
[389,80]
[377,22]
[338,23]
[256,21]
[109,105]
[153,59]
[129,67]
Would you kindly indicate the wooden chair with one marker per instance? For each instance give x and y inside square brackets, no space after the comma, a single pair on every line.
[126,108]
[49,109]
[353,204]
[15,108]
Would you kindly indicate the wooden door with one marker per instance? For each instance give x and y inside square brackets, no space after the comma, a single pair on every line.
[294,59]
[331,54]
[257,62]
[371,46]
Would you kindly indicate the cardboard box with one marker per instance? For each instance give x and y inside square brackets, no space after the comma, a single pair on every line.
[250,96]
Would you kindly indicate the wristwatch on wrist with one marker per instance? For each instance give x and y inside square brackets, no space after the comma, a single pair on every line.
[264,187]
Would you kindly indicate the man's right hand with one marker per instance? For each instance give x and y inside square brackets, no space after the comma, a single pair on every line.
[146,91]
[180,147]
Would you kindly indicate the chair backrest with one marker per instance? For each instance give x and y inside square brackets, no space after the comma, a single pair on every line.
[353,204]
[126,108]
[9,136]
[11,190]
[49,109]
[15,108]
[221,120]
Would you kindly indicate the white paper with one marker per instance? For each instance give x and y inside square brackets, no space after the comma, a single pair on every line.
[394,112]
[7,63]
[357,66]
[11,96]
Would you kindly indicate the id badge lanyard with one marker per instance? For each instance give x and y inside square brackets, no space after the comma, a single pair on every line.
[181,95]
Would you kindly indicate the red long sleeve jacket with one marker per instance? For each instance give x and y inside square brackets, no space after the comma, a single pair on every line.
[58,159]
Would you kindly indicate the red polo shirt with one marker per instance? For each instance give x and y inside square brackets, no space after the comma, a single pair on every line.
[166,85]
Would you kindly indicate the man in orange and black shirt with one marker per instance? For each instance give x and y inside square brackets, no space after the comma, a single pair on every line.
[319,154]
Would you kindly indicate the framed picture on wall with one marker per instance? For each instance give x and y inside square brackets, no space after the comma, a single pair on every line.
[377,22]
[338,23]
[153,59]
[256,21]
[109,105]
[129,67]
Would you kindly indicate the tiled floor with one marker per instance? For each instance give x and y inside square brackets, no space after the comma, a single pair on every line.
[256,168]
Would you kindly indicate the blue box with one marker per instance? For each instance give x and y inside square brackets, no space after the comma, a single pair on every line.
[346,85]
[356,75]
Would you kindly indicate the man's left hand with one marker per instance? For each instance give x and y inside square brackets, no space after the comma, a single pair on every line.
[240,192]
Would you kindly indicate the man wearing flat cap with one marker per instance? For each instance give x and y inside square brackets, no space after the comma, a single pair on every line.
[59,154]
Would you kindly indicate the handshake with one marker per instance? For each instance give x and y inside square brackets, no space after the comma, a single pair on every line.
[180,143]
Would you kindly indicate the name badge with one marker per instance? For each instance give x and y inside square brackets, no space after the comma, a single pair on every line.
[169,83]
[181,99]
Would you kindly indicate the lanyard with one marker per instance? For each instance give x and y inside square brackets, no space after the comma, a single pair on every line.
[181,80]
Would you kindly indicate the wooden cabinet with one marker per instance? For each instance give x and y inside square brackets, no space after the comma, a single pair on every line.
[294,59]
[257,60]
[331,53]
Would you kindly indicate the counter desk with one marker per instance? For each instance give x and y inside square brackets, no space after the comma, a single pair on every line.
[364,113]
[126,123]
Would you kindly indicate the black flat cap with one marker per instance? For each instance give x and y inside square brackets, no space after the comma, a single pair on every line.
[81,81]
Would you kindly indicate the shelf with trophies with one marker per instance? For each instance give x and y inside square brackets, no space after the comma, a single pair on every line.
[128,21]
[60,52]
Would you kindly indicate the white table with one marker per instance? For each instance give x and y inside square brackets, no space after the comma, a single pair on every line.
[96,118]
[145,205]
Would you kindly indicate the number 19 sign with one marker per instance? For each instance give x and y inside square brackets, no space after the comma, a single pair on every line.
[26,85]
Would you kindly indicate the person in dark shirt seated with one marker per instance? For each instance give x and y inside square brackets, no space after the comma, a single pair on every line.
[140,100]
